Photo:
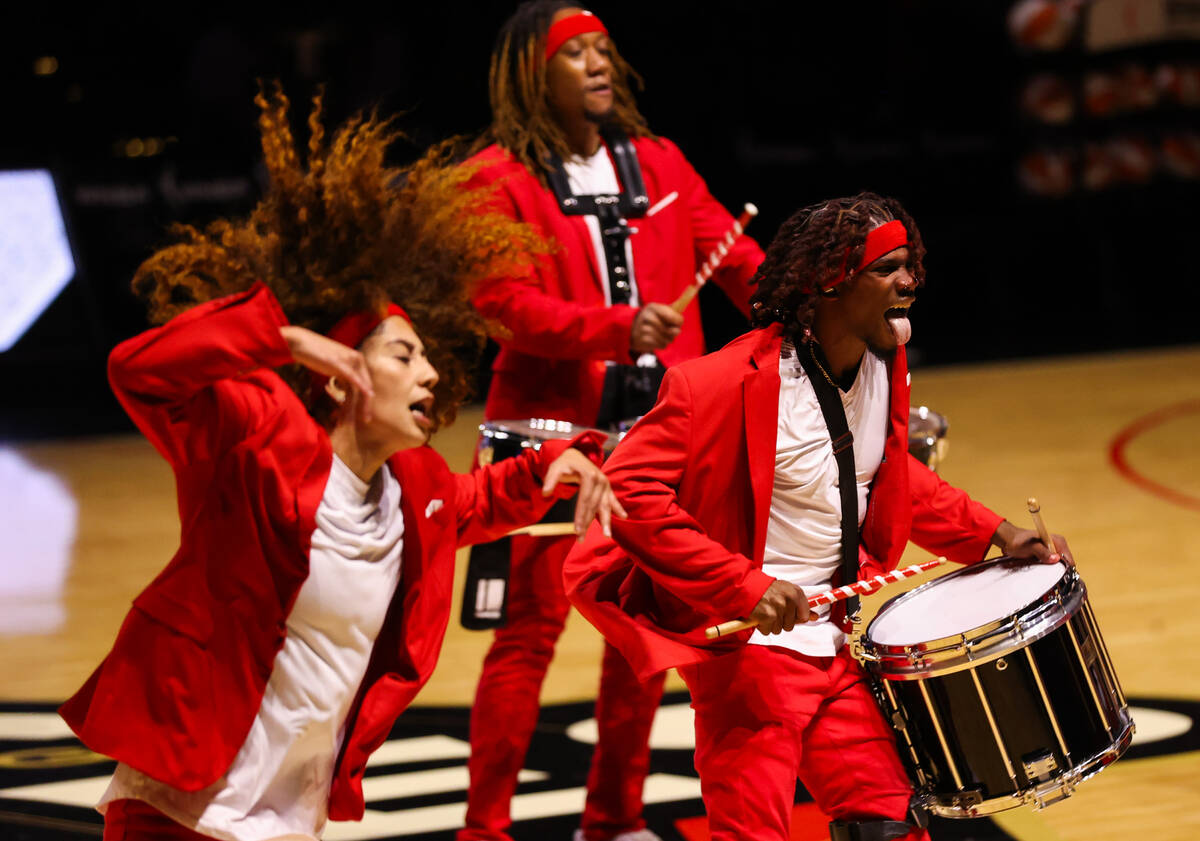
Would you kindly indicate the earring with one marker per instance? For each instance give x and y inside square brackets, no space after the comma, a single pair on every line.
[335,390]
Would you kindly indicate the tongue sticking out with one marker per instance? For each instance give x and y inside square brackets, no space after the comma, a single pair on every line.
[901,328]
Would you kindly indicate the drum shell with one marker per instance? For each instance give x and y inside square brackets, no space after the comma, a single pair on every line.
[485,592]
[499,440]
[927,432]
[1024,723]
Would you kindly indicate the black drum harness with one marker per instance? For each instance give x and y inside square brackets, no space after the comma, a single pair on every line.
[629,390]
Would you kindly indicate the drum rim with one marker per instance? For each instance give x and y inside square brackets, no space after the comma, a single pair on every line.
[489,428]
[942,425]
[980,644]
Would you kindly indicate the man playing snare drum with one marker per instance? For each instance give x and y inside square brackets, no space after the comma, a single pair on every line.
[735,500]
[590,328]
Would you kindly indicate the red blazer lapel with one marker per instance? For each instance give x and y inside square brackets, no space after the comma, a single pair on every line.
[760,398]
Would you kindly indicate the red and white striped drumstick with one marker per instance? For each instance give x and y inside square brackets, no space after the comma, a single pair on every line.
[859,588]
[715,257]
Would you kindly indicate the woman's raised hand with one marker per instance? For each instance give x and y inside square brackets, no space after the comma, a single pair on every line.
[595,499]
[333,359]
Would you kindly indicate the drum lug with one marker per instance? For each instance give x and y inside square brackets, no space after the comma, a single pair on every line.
[1039,767]
[968,800]
[1060,789]
[860,652]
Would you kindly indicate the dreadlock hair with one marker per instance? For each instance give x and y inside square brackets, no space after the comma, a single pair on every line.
[522,121]
[812,248]
[348,233]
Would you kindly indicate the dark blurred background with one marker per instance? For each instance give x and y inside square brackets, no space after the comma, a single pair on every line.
[1049,150]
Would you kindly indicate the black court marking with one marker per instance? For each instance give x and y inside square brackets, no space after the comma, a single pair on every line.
[559,763]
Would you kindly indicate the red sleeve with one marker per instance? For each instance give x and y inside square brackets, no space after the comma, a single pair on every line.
[945,520]
[500,497]
[660,536]
[168,378]
[542,324]
[710,223]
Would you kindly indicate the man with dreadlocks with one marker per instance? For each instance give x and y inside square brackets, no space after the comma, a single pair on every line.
[308,599]
[589,331]
[768,469]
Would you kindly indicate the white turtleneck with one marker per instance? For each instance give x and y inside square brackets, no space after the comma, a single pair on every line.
[278,785]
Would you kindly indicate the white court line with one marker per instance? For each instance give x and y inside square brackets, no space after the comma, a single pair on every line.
[660,788]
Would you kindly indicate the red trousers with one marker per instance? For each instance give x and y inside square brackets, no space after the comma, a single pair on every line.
[133,820]
[765,716]
[506,707]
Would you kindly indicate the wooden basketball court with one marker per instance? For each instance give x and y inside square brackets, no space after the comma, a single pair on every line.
[1109,444]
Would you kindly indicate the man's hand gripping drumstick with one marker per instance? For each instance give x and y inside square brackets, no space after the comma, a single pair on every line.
[656,325]
[1036,543]
[784,606]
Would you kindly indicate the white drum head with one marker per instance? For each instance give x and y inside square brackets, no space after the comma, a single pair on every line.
[957,603]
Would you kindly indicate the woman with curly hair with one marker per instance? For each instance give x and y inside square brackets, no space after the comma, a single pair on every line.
[308,599]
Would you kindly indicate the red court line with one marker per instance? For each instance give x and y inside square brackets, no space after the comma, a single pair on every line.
[1116,452]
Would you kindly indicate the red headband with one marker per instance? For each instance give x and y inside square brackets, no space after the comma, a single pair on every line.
[564,30]
[882,240]
[355,327]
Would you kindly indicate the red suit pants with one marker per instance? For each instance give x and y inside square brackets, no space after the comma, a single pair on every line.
[506,707]
[765,716]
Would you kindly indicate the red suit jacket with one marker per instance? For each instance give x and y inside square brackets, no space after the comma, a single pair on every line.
[177,694]
[562,332]
[696,475]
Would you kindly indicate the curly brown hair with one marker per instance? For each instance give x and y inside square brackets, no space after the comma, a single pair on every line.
[522,121]
[812,248]
[347,232]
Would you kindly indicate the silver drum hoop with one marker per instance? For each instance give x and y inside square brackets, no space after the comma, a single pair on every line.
[977,645]
[502,439]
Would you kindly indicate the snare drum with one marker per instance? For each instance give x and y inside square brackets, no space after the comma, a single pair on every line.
[485,593]
[999,687]
[927,436]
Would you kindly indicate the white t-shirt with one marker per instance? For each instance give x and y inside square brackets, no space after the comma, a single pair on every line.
[278,784]
[804,530]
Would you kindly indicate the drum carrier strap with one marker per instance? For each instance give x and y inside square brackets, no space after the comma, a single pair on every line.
[629,390]
[610,211]
[843,452]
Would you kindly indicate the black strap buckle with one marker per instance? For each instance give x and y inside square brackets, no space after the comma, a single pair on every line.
[880,830]
[842,443]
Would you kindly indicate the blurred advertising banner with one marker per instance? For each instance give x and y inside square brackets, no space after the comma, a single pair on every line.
[1115,24]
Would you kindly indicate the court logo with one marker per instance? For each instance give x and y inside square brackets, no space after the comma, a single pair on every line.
[416,782]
